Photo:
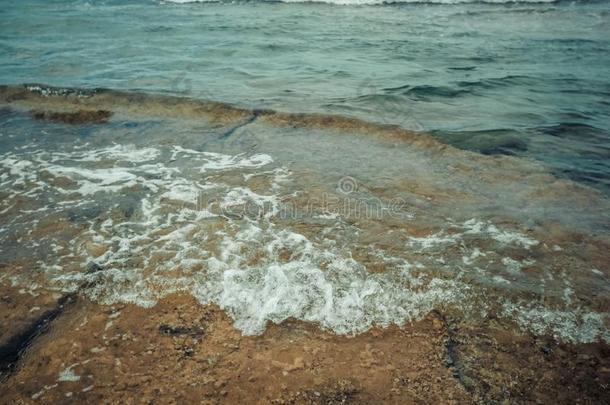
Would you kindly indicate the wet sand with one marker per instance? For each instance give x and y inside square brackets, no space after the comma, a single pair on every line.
[181,351]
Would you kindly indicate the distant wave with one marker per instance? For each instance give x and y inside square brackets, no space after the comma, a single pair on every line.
[374,2]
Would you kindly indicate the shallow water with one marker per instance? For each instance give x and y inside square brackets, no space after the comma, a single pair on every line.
[529,79]
[377,226]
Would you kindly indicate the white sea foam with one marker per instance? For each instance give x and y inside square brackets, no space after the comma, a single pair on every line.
[68,374]
[472,227]
[504,236]
[219,161]
[514,266]
[470,258]
[155,254]
[573,325]
[317,284]
[250,202]
[250,266]
[127,153]
[432,241]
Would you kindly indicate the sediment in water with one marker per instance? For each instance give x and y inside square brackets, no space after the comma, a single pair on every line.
[527,215]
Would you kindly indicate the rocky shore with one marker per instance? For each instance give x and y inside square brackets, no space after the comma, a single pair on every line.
[181,352]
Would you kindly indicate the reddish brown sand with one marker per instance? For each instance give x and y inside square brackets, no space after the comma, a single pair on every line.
[182,352]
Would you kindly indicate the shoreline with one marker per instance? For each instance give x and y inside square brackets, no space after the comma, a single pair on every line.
[482,278]
[179,350]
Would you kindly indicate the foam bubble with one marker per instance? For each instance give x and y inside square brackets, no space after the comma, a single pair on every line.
[68,374]
[150,234]
[574,325]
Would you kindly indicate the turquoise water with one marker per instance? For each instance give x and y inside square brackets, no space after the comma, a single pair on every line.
[529,79]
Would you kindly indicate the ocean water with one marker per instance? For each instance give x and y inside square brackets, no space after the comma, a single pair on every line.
[350,165]
[524,78]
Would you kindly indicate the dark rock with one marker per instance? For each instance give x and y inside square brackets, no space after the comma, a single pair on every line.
[78,117]
[93,267]
[172,330]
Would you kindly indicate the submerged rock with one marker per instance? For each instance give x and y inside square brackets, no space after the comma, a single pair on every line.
[77,117]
